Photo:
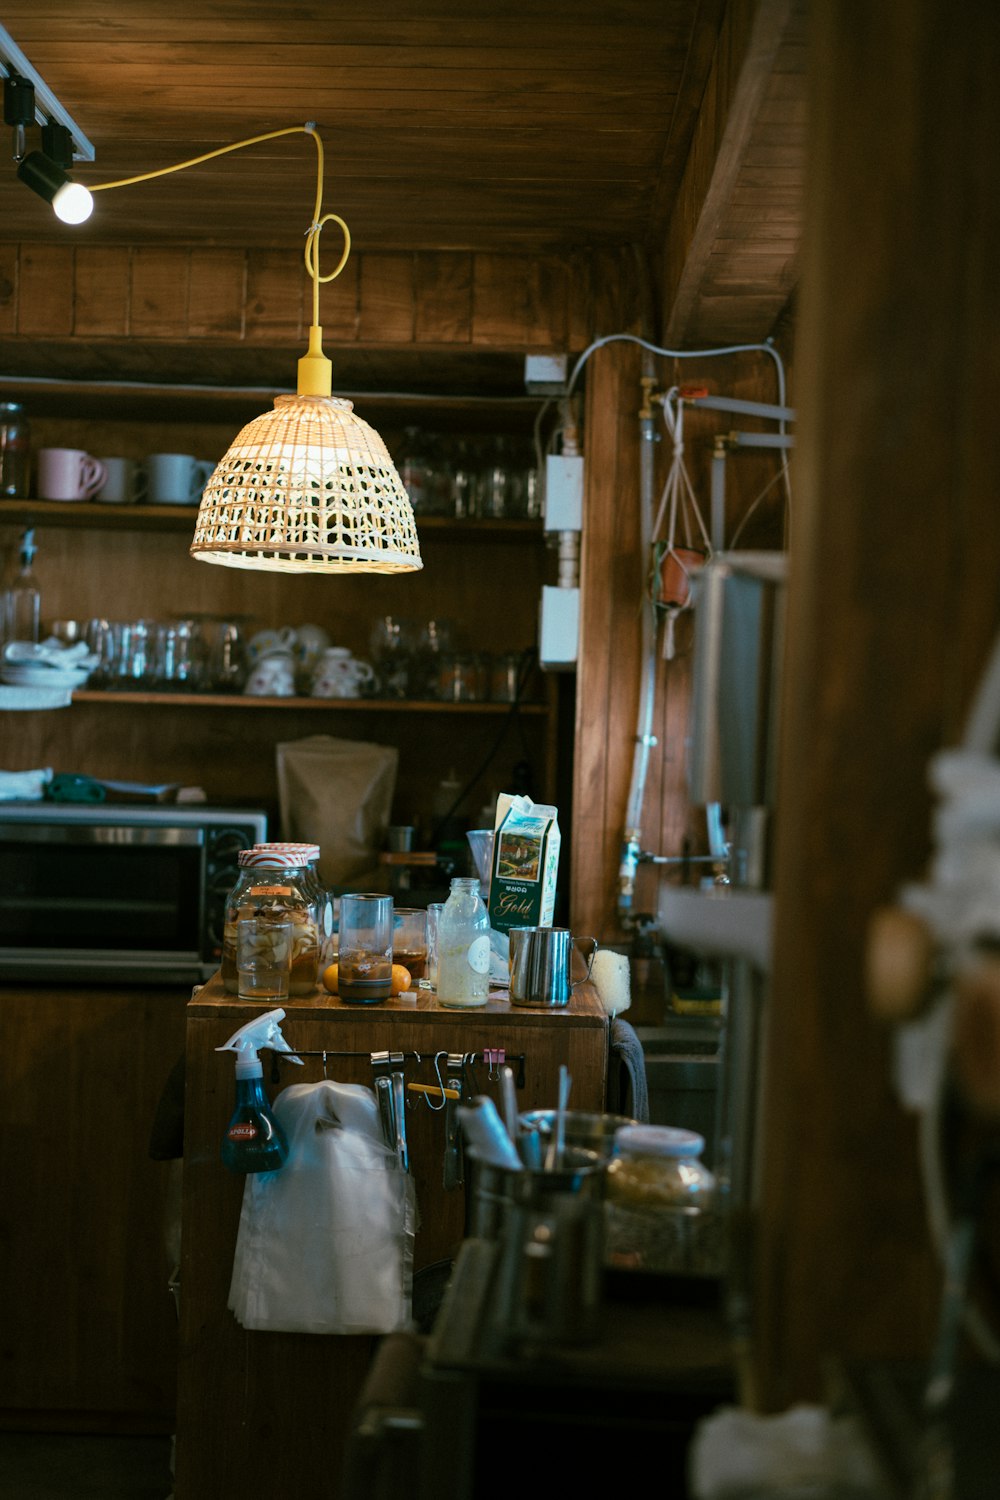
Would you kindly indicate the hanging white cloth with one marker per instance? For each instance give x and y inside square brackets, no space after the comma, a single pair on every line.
[325,1244]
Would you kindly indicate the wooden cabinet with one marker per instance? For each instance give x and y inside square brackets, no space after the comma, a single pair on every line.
[87,1219]
[268,1413]
[128,562]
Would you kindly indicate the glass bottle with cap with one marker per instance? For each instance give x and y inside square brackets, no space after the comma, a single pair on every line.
[463,958]
[15,451]
[659,1199]
[273,884]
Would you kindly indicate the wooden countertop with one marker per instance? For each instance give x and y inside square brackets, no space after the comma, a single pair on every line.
[584,1009]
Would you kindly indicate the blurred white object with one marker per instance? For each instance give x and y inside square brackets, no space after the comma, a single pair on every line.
[610,975]
[803,1452]
[24,786]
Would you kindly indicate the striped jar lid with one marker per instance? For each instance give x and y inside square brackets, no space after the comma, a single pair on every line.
[307,851]
[274,856]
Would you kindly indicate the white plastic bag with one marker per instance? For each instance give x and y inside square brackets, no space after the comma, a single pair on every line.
[325,1245]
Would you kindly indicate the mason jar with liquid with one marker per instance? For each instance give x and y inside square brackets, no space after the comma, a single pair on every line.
[463,973]
[274,884]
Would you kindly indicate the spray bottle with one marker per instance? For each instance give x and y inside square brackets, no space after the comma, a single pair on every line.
[254,1141]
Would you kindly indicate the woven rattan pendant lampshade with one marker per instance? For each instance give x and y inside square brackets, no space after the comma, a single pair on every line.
[307,487]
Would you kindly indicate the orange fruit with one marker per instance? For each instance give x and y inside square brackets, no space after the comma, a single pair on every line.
[330,978]
[401,980]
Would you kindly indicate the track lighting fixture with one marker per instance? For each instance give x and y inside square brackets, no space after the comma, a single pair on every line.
[70,200]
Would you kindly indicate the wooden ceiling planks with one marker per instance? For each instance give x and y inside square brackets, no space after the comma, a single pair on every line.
[503,129]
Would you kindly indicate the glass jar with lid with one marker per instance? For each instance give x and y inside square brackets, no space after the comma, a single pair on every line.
[463,956]
[659,1209]
[312,884]
[274,883]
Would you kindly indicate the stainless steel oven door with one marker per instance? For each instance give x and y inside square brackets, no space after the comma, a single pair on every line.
[86,901]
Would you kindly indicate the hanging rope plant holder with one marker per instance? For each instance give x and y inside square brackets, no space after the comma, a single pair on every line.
[684,547]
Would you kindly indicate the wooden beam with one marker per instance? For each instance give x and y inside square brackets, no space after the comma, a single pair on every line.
[749,40]
[893,608]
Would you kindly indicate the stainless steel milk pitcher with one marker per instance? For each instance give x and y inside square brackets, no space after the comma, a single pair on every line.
[540,960]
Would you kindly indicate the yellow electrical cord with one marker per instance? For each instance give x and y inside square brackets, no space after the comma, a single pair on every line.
[318,219]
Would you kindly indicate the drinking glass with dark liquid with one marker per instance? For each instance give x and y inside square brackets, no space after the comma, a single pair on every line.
[365,959]
[409,940]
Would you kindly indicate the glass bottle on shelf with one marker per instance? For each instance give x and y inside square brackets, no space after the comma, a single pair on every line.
[463,482]
[493,500]
[15,451]
[24,598]
[414,468]
[274,883]
[463,974]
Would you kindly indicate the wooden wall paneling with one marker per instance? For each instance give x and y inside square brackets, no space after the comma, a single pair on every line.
[897,372]
[443,313]
[339,300]
[100,291]
[91,1335]
[274,297]
[217,294]
[9,272]
[510,309]
[611,589]
[45,291]
[158,301]
[387,299]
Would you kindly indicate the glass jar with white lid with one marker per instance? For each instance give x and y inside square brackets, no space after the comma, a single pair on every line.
[659,1210]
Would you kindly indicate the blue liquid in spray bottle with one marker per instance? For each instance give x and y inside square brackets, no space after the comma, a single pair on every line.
[254,1140]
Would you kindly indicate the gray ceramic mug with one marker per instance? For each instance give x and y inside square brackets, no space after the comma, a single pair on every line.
[540,959]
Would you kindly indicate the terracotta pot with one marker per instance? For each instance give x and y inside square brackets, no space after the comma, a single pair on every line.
[676,568]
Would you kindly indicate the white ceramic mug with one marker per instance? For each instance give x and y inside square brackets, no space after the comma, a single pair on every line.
[68,474]
[340,675]
[125,482]
[272,677]
[177,478]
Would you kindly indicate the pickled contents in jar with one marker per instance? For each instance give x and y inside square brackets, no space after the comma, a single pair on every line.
[657,1182]
[305,944]
[364,978]
[659,1205]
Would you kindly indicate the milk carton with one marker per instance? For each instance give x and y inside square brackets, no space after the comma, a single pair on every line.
[525,863]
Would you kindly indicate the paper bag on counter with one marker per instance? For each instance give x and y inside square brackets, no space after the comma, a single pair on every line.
[337,794]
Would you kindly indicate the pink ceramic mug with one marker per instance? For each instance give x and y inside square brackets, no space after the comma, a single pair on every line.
[68,474]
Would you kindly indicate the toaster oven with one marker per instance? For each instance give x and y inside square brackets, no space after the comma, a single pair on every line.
[105,892]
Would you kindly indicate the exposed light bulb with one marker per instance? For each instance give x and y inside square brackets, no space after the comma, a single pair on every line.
[73,203]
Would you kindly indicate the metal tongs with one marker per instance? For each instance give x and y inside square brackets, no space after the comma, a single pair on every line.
[390,1094]
[454,1173]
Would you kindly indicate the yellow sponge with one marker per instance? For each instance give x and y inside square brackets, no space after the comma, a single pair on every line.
[610,975]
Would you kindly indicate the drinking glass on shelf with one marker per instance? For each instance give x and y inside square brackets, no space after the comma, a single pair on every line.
[391,643]
[434,910]
[227,659]
[435,640]
[365,948]
[137,660]
[180,658]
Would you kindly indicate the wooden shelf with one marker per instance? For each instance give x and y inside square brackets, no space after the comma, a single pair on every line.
[94,516]
[129,699]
